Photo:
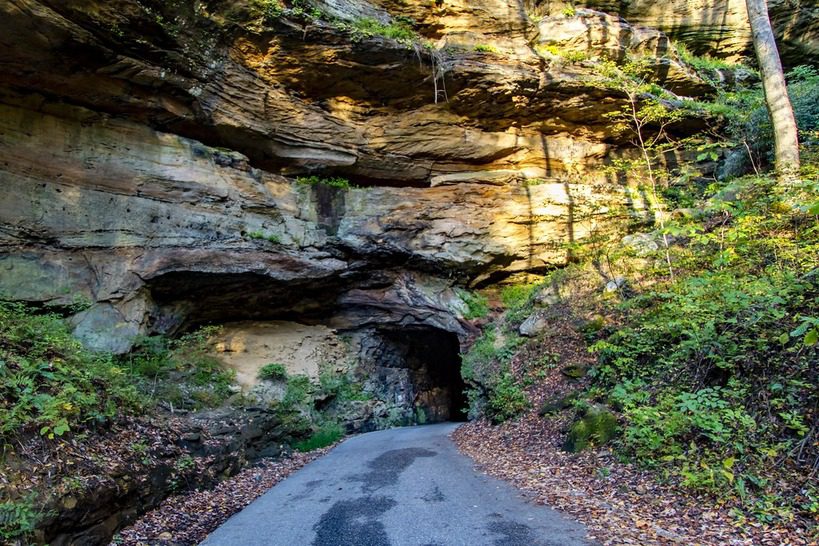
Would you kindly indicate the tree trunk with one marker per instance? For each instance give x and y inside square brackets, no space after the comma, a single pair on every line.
[779,106]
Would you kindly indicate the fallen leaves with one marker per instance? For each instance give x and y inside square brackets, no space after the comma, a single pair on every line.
[185,520]
[622,505]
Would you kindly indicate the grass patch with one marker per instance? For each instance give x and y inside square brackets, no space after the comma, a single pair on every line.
[569,55]
[326,435]
[399,30]
[260,235]
[477,306]
[486,48]
[272,372]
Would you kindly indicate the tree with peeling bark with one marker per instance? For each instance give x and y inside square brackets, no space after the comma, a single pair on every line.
[786,142]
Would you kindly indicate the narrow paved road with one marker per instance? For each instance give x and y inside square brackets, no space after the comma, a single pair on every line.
[406,486]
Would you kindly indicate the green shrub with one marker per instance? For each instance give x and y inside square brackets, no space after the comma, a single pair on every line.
[272,372]
[506,399]
[298,390]
[492,390]
[341,387]
[49,382]
[803,89]
[326,435]
[481,352]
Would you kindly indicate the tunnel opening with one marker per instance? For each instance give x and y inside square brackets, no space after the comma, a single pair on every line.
[421,368]
[415,369]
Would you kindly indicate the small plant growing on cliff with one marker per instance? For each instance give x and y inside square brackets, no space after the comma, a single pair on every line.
[298,389]
[341,387]
[477,305]
[260,235]
[568,55]
[273,372]
[486,48]
[399,30]
[333,182]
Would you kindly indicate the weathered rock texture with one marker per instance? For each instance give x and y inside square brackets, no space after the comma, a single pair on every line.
[246,347]
[716,27]
[148,150]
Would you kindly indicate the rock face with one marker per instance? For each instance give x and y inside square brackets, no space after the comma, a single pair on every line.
[248,346]
[149,151]
[719,27]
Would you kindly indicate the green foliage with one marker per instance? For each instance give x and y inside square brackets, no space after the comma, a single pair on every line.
[327,434]
[569,11]
[49,383]
[273,372]
[333,182]
[399,30]
[272,237]
[341,387]
[18,519]
[597,427]
[183,372]
[270,10]
[477,306]
[568,55]
[506,399]
[485,48]
[803,89]
[715,372]
[515,296]
[484,359]
[748,125]
[494,391]
[703,63]
[298,391]
[420,415]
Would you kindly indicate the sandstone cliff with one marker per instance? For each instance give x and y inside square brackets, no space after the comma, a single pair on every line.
[150,149]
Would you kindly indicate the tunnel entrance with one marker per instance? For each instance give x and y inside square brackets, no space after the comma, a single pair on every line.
[414,369]
[421,369]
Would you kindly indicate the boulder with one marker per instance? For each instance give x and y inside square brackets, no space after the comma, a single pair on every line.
[533,325]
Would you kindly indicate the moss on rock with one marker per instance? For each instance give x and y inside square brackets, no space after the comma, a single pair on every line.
[598,426]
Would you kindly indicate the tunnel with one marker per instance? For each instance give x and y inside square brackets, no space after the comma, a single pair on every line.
[421,368]
[415,368]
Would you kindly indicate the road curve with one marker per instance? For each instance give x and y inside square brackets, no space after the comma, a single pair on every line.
[405,486]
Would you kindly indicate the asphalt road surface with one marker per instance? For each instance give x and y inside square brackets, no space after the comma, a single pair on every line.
[405,486]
